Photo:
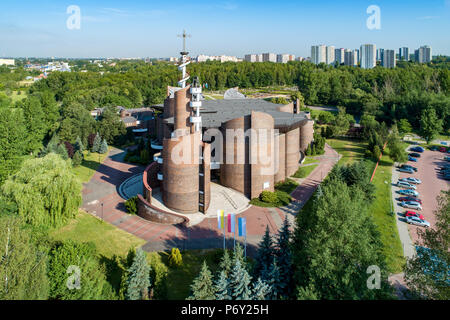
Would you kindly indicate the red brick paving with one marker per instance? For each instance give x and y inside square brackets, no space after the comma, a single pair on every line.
[103,186]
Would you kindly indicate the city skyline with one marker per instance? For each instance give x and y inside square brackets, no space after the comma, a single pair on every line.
[235,28]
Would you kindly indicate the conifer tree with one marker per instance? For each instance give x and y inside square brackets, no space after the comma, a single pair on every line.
[239,255]
[202,287]
[284,259]
[77,159]
[261,290]
[273,280]
[240,282]
[62,151]
[138,280]
[264,255]
[79,145]
[222,287]
[103,147]
[226,263]
[97,143]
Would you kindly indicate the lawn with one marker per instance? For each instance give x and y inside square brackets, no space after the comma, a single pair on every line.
[310,160]
[281,195]
[303,172]
[108,239]
[90,164]
[353,150]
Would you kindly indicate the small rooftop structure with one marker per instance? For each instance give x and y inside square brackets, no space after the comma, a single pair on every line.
[233,93]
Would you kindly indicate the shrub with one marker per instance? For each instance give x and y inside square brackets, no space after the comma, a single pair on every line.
[70,149]
[77,159]
[268,197]
[283,198]
[175,258]
[131,205]
[103,147]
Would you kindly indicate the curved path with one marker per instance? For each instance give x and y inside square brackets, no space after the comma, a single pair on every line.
[103,189]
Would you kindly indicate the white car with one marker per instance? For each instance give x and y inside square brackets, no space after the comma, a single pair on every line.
[418,222]
[411,205]
[411,180]
[406,185]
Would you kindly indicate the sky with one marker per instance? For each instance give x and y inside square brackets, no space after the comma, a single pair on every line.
[138,28]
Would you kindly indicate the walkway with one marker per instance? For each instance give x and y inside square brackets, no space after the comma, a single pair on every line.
[103,189]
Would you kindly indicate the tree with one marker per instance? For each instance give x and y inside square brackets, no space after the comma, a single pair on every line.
[45,190]
[260,290]
[284,259]
[35,123]
[75,273]
[430,124]
[264,255]
[404,126]
[23,267]
[97,144]
[13,144]
[341,123]
[221,287]
[273,280]
[175,258]
[138,282]
[79,145]
[103,147]
[335,242]
[77,159]
[226,263]
[202,287]
[240,282]
[426,274]
[110,125]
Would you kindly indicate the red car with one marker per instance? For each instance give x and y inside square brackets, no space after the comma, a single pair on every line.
[409,199]
[414,214]
[443,149]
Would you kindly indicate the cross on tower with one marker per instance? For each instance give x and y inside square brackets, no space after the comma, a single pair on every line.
[184,36]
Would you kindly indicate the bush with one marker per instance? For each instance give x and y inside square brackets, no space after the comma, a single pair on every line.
[77,159]
[268,197]
[175,258]
[131,205]
[283,198]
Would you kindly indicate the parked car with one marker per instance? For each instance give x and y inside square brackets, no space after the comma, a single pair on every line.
[447,158]
[407,170]
[415,154]
[411,193]
[412,159]
[418,222]
[443,149]
[411,180]
[409,167]
[417,149]
[414,214]
[411,205]
[434,148]
[402,199]
[406,185]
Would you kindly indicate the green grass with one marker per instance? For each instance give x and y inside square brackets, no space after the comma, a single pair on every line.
[90,164]
[303,172]
[383,217]
[283,191]
[351,150]
[108,239]
[310,160]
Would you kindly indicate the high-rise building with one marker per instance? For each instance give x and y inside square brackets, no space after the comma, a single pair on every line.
[350,57]
[283,58]
[389,59]
[339,55]
[259,57]
[269,57]
[368,56]
[329,55]
[403,54]
[380,54]
[423,54]
[318,54]
[250,57]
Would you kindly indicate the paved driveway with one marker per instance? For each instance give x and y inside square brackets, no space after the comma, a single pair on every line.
[429,189]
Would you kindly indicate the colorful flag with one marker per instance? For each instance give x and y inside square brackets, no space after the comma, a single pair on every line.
[220,224]
[231,223]
[242,224]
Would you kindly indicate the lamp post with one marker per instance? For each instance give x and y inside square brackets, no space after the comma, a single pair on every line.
[102,210]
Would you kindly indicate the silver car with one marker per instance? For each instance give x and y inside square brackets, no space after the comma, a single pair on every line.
[411,180]
[405,185]
[411,205]
[418,222]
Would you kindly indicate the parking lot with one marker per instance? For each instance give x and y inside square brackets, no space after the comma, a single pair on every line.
[429,189]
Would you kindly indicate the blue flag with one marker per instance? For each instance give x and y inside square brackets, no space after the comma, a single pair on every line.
[242,225]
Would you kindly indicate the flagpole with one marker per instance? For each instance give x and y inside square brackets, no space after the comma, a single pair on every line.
[224,238]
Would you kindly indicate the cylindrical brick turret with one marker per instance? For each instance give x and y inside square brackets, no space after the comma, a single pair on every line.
[280,174]
[292,151]
[182,111]
[306,135]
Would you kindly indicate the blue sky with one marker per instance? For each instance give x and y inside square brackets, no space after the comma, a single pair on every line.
[136,28]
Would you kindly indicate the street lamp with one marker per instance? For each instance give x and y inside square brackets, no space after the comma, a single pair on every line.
[102,210]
